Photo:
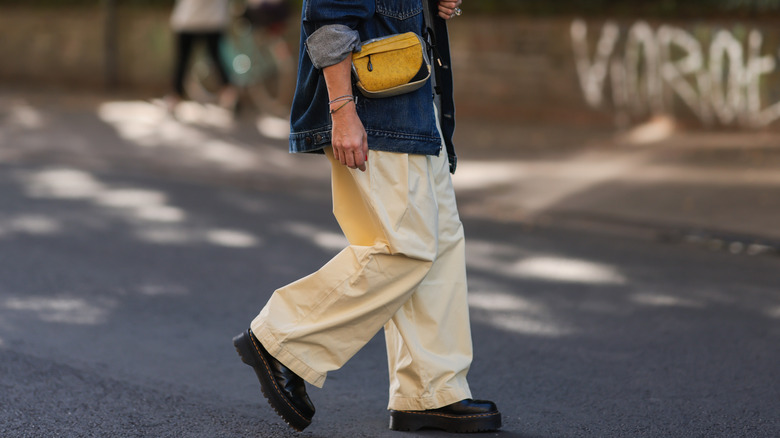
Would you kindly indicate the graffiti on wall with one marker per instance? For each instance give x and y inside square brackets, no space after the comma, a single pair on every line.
[645,70]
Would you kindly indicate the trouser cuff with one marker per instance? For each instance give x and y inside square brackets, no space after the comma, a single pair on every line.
[435,401]
[275,349]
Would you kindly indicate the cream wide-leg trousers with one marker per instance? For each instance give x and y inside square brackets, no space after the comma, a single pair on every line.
[404,270]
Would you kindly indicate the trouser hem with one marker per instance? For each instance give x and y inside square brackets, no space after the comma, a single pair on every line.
[435,401]
[275,349]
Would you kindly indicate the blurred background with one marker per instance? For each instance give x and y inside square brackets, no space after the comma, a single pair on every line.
[694,84]
[618,177]
[705,64]
[707,61]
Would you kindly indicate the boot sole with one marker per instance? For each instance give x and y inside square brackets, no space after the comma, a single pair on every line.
[251,355]
[410,421]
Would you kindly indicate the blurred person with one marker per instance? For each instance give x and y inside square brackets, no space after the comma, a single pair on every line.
[205,21]
[404,269]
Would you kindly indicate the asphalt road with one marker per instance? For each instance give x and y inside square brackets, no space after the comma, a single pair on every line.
[120,293]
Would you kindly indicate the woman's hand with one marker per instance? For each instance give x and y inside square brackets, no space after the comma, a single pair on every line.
[447,8]
[348,137]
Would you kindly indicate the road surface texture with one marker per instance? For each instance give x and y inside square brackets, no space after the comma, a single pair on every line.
[132,250]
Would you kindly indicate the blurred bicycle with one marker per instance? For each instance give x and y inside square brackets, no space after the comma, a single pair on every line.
[257,56]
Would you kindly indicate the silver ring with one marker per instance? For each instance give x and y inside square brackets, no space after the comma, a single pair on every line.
[458,12]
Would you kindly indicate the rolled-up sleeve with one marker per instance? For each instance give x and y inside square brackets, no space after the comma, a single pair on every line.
[331,44]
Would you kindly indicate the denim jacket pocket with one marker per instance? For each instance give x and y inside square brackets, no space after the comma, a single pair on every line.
[399,9]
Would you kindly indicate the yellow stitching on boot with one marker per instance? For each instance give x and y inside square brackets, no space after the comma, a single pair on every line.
[449,415]
[278,391]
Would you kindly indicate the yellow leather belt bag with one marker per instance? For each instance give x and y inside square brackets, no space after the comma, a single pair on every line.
[391,65]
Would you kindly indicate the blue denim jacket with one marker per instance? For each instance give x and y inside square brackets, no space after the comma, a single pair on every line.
[404,123]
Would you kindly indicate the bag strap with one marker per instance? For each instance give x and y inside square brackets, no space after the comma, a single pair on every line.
[427,15]
[429,36]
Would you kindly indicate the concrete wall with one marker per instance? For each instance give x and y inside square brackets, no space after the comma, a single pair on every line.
[41,45]
[714,73]
[704,73]
[67,47]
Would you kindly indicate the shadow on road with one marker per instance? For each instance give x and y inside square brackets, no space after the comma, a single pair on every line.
[135,251]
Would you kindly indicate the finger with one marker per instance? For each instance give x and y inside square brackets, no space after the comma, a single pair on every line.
[365,152]
[447,8]
[445,12]
[342,157]
[448,5]
[349,160]
[360,160]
